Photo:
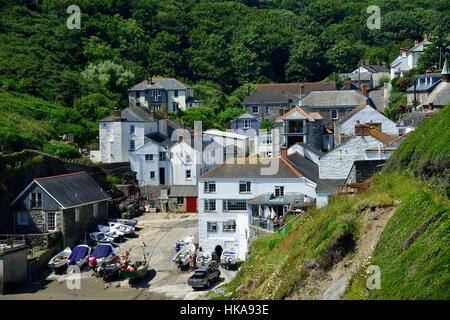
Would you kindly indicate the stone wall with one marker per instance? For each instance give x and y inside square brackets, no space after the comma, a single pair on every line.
[255,233]
[13,268]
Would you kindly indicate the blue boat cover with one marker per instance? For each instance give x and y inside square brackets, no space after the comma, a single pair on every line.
[102,251]
[78,253]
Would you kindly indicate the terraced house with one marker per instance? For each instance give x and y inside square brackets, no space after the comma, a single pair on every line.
[167,94]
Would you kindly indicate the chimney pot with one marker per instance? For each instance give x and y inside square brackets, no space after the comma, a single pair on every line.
[364,89]
[149,79]
[166,114]
[283,151]
[383,64]
[117,115]
[302,90]
[347,82]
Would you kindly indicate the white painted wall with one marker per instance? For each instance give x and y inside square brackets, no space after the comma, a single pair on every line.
[322,199]
[229,189]
[143,167]
[304,152]
[338,162]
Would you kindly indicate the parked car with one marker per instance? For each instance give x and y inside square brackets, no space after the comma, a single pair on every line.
[204,277]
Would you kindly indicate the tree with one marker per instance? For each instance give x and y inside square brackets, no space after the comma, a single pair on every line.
[107,76]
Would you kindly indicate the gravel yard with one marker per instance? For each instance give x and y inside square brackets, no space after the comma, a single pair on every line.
[159,231]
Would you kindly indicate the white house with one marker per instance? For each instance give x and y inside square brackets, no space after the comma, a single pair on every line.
[124,132]
[163,94]
[408,58]
[233,194]
[233,144]
[364,114]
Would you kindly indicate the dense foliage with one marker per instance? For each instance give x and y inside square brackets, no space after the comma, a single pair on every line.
[216,46]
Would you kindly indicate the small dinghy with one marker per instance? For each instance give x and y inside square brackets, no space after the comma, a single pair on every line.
[101,237]
[60,259]
[229,258]
[111,232]
[78,255]
[126,230]
[131,223]
[181,243]
[182,256]
[137,269]
[100,253]
[203,259]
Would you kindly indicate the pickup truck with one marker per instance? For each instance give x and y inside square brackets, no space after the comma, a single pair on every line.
[203,277]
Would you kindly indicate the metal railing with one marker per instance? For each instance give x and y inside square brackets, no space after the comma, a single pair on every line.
[9,241]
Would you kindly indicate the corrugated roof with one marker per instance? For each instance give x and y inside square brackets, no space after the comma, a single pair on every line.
[74,189]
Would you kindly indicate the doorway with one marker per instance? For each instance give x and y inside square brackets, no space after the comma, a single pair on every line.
[162,176]
[218,251]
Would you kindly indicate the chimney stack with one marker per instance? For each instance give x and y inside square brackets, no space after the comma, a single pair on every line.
[149,79]
[117,115]
[364,89]
[283,152]
[383,64]
[361,129]
[367,61]
[166,115]
[425,37]
[247,91]
[378,61]
[152,111]
[368,68]
[430,106]
[302,90]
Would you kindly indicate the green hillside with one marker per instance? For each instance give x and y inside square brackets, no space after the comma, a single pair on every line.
[412,252]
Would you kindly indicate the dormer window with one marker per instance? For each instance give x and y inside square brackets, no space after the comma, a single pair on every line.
[255,109]
[36,200]
[279,191]
[246,124]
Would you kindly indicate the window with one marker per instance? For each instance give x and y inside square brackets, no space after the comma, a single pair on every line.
[138,94]
[77,214]
[175,93]
[152,174]
[95,209]
[255,109]
[132,129]
[36,200]
[131,145]
[267,139]
[51,221]
[244,186]
[162,156]
[279,191]
[157,107]
[229,225]
[334,114]
[180,200]
[210,205]
[138,104]
[188,174]
[188,158]
[234,205]
[148,157]
[401,131]
[267,110]
[246,124]
[175,106]
[212,226]
[210,186]
[22,218]
[158,93]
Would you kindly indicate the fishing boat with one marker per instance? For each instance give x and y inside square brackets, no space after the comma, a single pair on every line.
[137,269]
[60,259]
[100,253]
[203,259]
[101,237]
[112,232]
[181,243]
[131,223]
[127,230]
[78,255]
[229,258]
[182,256]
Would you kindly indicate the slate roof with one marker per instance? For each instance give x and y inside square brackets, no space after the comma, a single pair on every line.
[376,68]
[183,191]
[333,98]
[297,111]
[247,116]
[268,96]
[158,138]
[160,83]
[252,169]
[421,86]
[306,167]
[131,114]
[73,189]
[311,148]
[269,198]
[440,95]
[329,185]
[294,88]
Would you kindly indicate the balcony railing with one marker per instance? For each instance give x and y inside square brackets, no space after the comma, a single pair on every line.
[262,223]
[9,241]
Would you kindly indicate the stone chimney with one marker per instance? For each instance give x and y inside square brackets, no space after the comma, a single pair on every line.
[367,61]
[361,129]
[383,64]
[152,112]
[425,37]
[347,83]
[302,90]
[281,110]
[166,114]
[149,79]
[117,117]
[368,67]
[378,61]
[283,152]
[247,92]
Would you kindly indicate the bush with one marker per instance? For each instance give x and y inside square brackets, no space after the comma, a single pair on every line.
[61,150]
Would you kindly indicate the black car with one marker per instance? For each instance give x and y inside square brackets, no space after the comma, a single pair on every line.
[204,277]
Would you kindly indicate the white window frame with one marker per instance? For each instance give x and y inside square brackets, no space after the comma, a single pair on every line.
[134,145]
[211,226]
[229,226]
[248,186]
[180,202]
[253,109]
[280,191]
[47,220]
[226,205]
[267,109]
[35,200]
[208,203]
[188,177]
[149,157]
[337,114]
[162,156]
[132,129]
[208,186]
[246,124]
[77,214]
[151,174]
